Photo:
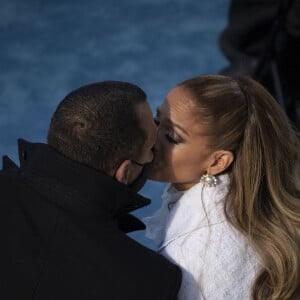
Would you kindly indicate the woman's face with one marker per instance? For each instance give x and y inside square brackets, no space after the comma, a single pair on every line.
[181,153]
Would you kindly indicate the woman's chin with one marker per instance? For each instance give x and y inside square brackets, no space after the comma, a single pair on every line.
[155,174]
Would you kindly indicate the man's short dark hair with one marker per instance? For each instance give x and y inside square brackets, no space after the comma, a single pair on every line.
[97,125]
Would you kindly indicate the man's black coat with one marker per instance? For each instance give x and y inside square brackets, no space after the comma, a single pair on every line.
[62,230]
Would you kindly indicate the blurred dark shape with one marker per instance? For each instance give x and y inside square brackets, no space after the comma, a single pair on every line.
[262,40]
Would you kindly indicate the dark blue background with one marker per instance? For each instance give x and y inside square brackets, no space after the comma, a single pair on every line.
[48,48]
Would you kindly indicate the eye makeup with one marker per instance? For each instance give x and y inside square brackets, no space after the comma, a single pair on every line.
[167,125]
[171,139]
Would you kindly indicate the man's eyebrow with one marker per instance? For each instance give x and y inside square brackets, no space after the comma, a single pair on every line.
[172,123]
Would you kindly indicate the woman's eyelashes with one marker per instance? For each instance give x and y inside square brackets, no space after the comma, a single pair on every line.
[169,135]
[171,139]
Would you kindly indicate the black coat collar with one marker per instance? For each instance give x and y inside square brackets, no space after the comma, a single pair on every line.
[73,185]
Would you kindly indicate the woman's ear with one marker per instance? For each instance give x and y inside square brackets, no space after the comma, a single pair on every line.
[123,171]
[220,161]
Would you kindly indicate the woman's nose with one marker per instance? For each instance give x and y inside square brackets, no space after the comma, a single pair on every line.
[157,144]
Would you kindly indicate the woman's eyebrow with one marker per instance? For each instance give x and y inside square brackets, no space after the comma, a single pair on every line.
[179,127]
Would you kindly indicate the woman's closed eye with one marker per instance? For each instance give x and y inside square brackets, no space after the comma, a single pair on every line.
[171,139]
[169,135]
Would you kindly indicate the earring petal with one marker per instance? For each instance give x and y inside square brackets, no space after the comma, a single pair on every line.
[209,180]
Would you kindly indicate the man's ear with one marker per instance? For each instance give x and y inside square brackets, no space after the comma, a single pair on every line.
[123,171]
[220,161]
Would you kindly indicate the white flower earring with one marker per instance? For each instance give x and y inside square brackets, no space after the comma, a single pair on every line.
[209,180]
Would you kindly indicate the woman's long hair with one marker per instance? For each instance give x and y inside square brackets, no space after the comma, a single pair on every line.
[264,194]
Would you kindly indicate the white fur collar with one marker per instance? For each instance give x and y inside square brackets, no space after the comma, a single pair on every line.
[183,212]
